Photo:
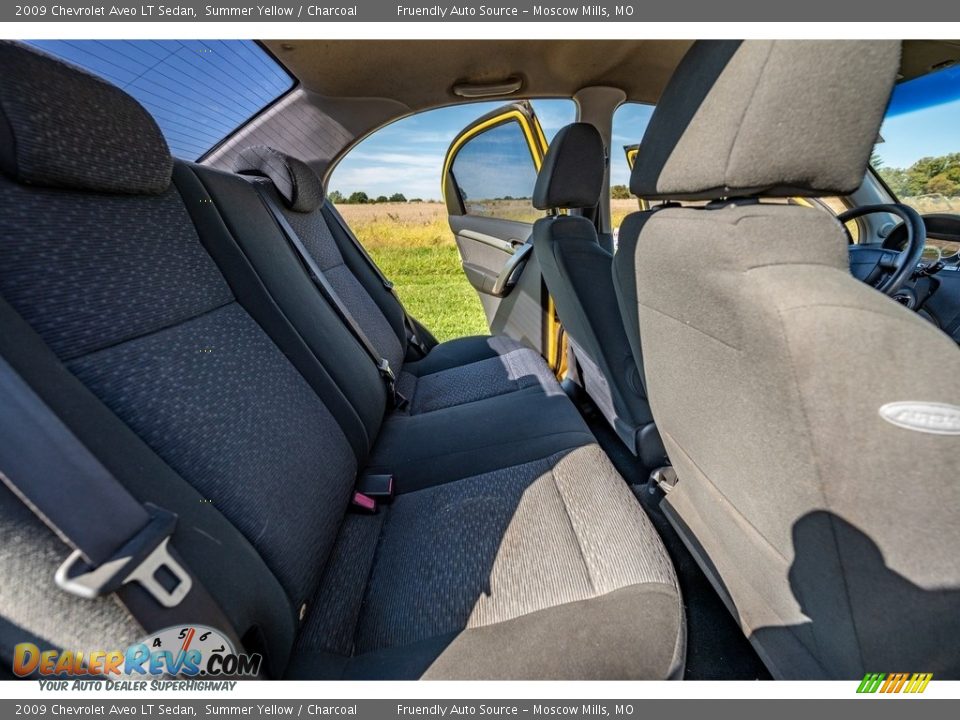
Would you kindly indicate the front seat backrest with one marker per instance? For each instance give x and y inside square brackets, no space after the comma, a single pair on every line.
[577,271]
[831,532]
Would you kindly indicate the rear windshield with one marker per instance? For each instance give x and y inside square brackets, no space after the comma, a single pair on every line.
[198,91]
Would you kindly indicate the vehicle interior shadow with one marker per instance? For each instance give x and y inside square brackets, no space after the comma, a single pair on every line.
[870,618]
[716,647]
[453,574]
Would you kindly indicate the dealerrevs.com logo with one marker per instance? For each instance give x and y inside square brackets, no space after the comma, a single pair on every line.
[185,652]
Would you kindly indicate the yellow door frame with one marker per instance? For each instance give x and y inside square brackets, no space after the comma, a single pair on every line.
[554,340]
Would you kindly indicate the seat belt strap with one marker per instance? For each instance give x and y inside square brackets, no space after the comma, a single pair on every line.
[413,339]
[330,294]
[116,541]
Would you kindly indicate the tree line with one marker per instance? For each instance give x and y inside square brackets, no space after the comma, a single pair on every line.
[927,176]
[361,198]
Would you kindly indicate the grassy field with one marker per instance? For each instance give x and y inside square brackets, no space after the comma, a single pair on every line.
[413,245]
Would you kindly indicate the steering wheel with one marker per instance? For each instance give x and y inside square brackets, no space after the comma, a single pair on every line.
[885,269]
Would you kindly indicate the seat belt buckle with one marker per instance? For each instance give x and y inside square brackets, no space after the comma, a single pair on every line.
[386,371]
[139,560]
[363,503]
[376,485]
[418,344]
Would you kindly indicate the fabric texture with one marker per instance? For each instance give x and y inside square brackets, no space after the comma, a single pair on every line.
[460,556]
[317,238]
[268,278]
[514,370]
[572,172]
[218,402]
[110,143]
[98,270]
[29,557]
[464,440]
[766,117]
[297,184]
[781,453]
[577,272]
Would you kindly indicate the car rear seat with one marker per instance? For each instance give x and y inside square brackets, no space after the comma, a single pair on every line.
[493,365]
[131,311]
[513,424]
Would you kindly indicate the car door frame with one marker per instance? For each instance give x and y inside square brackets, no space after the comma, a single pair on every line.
[513,292]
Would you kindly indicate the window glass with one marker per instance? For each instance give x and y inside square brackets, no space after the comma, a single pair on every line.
[405,159]
[199,92]
[495,173]
[629,123]
[918,155]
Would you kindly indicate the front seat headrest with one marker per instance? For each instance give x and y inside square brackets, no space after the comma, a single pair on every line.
[62,127]
[572,172]
[776,118]
[297,184]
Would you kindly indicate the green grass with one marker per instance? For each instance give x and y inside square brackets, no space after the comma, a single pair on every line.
[433,288]
[414,247]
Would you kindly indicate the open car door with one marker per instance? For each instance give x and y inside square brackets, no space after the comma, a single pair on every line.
[488,177]
[631,152]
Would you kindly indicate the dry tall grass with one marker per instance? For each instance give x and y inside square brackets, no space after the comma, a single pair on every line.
[413,245]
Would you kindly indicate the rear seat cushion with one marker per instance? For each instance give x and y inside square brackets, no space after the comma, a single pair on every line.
[468,439]
[417,449]
[487,367]
[379,313]
[487,575]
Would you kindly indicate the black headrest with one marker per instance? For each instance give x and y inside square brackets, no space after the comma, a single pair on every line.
[62,127]
[572,172]
[297,184]
[776,118]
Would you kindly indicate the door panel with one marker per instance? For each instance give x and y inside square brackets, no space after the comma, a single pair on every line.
[489,174]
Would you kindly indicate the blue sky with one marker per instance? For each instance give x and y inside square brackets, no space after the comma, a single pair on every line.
[407,156]
[923,119]
[199,91]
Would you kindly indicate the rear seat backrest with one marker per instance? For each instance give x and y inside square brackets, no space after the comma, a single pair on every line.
[302,202]
[122,290]
[255,234]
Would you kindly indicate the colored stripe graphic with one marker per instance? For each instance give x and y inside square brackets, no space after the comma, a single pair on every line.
[870,682]
[894,683]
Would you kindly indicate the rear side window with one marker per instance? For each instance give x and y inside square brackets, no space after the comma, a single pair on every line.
[495,173]
[199,92]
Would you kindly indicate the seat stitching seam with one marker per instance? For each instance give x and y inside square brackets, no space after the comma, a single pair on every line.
[171,326]
[819,475]
[715,488]
[573,529]
[377,551]
[746,111]
[691,327]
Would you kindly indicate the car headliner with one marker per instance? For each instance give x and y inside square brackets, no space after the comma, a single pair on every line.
[348,88]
